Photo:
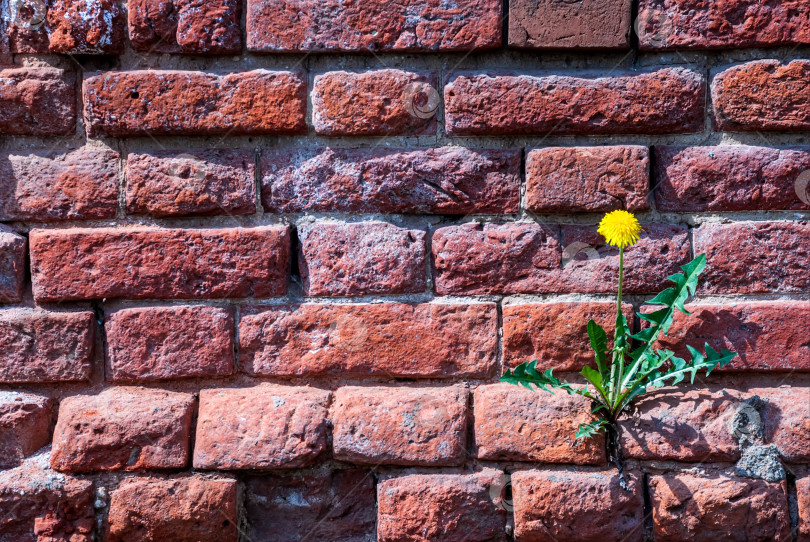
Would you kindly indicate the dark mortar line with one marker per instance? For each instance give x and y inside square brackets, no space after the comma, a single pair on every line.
[649,533]
[793,504]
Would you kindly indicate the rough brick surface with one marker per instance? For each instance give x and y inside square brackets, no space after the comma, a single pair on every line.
[731,178]
[670,100]
[785,422]
[44,346]
[754,257]
[550,24]
[181,264]
[25,23]
[25,426]
[41,505]
[206,182]
[165,102]
[710,507]
[191,508]
[185,26]
[123,429]
[587,179]
[400,426]
[337,505]
[12,265]
[515,424]
[374,103]
[555,334]
[447,507]
[391,339]
[37,101]
[375,25]
[85,26]
[762,95]
[724,24]
[50,186]
[447,180]
[803,498]
[361,259]
[580,506]
[263,427]
[156,343]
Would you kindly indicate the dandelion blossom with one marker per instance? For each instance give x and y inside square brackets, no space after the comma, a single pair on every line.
[620,229]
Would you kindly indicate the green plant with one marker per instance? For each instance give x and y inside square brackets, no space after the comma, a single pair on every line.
[633,365]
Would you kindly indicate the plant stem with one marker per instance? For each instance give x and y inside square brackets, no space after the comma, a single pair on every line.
[614,450]
[618,354]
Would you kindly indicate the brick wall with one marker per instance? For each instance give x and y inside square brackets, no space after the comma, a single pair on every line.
[262,263]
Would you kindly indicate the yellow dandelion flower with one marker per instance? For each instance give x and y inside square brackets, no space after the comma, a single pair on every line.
[620,229]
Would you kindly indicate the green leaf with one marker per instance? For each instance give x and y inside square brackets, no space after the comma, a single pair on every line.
[587,430]
[527,375]
[593,376]
[598,339]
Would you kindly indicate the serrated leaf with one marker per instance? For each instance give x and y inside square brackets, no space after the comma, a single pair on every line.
[587,430]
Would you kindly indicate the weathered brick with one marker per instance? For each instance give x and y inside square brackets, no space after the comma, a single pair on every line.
[515,424]
[587,179]
[766,335]
[754,257]
[803,501]
[553,505]
[762,95]
[447,507]
[383,339]
[204,182]
[37,102]
[42,505]
[556,334]
[156,343]
[718,506]
[785,420]
[166,102]
[375,25]
[447,180]
[192,508]
[123,429]
[85,26]
[48,186]
[263,427]
[400,426]
[333,505]
[12,265]
[670,100]
[25,22]
[725,24]
[550,24]
[25,426]
[731,178]
[374,103]
[180,264]
[361,259]
[185,26]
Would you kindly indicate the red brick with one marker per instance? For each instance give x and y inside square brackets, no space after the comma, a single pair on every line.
[374,103]
[12,265]
[193,508]
[550,24]
[165,102]
[785,420]
[331,505]
[446,507]
[515,424]
[803,498]
[205,182]
[37,102]
[731,178]
[579,506]
[156,343]
[382,339]
[670,100]
[25,426]
[26,26]
[142,262]
[44,346]
[426,25]
[85,26]
[48,186]
[754,257]
[556,334]
[41,505]
[447,180]
[263,427]
[767,335]
[400,426]
[361,259]
[185,26]
[762,95]
[123,429]
[724,24]
[718,506]
[587,179]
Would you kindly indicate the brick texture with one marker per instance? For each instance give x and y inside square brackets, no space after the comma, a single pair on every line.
[85,26]
[13,248]
[37,102]
[785,421]
[25,426]
[803,505]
